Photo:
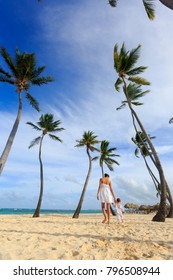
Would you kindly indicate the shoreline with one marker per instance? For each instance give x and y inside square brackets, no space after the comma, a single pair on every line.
[60,237]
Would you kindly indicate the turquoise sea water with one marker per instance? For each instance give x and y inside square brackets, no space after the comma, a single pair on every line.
[21,211]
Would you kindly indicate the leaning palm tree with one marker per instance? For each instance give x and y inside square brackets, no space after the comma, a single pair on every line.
[22,74]
[107,158]
[124,64]
[49,127]
[144,150]
[149,6]
[88,140]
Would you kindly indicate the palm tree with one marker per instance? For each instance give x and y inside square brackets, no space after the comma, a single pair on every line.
[107,157]
[145,151]
[124,64]
[22,74]
[47,126]
[88,140]
[148,5]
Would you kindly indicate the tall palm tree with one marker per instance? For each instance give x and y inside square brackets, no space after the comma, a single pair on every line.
[88,140]
[107,158]
[149,6]
[124,64]
[22,74]
[144,150]
[49,127]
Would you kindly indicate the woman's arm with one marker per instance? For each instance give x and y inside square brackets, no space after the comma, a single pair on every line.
[110,185]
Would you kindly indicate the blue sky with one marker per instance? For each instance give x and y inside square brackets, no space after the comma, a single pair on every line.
[75,40]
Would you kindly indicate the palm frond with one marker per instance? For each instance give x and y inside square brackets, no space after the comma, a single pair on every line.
[122,106]
[41,80]
[8,60]
[34,126]
[6,74]
[35,142]
[54,137]
[137,103]
[34,103]
[139,80]
[171,120]
[136,71]
[109,166]
[113,3]
[95,158]
[6,80]
[137,152]
[149,8]
[132,58]
[118,83]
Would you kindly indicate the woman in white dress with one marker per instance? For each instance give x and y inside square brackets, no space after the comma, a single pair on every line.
[106,195]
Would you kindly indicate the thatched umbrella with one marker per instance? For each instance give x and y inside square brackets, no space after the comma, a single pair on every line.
[131,206]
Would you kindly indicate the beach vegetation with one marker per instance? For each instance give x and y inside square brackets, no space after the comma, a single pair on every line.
[22,73]
[145,151]
[131,83]
[47,126]
[89,140]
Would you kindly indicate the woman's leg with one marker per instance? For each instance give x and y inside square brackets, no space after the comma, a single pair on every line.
[108,212]
[104,213]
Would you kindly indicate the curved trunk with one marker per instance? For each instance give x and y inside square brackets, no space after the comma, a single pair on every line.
[170,214]
[11,137]
[37,210]
[78,209]
[160,215]
[167,3]
[156,182]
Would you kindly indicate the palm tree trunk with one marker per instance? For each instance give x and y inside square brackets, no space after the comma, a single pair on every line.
[78,209]
[11,137]
[170,214]
[161,214]
[37,210]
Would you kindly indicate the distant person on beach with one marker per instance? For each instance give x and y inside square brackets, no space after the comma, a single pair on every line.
[106,195]
[119,211]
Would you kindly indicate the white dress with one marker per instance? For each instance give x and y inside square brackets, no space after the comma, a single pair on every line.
[105,194]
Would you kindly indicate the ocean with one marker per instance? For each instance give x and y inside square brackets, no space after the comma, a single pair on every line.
[23,211]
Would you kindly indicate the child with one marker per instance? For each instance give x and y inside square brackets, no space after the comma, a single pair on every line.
[119,211]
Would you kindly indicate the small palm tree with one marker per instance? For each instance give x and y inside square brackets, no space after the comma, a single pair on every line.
[107,158]
[124,63]
[88,140]
[23,73]
[47,126]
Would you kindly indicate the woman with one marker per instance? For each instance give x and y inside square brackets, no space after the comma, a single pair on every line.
[106,195]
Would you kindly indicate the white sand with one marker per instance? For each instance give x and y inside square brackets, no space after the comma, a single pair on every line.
[52,237]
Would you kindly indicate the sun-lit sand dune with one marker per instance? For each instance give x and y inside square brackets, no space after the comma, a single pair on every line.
[51,237]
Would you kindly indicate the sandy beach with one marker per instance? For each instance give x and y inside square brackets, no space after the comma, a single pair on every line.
[52,237]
